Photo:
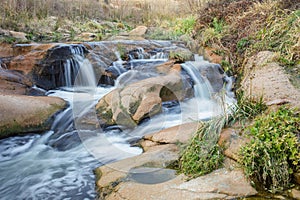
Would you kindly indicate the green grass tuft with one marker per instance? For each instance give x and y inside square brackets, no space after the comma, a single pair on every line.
[203,154]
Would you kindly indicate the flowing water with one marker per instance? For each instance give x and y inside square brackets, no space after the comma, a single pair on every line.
[59,163]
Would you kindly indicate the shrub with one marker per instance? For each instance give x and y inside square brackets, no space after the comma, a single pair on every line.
[273,153]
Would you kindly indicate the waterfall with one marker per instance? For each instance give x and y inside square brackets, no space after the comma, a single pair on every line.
[202,88]
[59,163]
[78,70]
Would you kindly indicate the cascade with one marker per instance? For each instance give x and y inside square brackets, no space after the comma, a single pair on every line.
[59,164]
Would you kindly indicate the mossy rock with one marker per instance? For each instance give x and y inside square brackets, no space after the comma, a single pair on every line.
[22,114]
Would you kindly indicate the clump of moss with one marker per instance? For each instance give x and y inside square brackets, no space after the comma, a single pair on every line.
[273,153]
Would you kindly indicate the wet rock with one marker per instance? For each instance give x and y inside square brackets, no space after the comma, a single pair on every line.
[24,114]
[213,73]
[129,105]
[49,72]
[263,77]
[6,50]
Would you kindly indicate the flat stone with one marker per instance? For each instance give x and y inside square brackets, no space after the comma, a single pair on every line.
[181,133]
[222,181]
[157,156]
[221,184]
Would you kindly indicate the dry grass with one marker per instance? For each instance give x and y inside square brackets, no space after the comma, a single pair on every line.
[16,12]
[149,12]
[238,29]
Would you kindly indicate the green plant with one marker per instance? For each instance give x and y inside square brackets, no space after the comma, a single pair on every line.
[227,67]
[247,108]
[203,154]
[273,153]
[185,25]
[218,25]
[242,44]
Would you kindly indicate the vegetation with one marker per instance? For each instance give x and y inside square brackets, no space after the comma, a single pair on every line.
[274,151]
[241,28]
[247,109]
[234,29]
[203,154]
[65,20]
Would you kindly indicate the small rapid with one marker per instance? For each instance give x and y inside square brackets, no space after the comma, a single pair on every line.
[59,163]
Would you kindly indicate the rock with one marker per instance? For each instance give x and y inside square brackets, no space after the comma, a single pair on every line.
[209,54]
[180,55]
[23,114]
[221,184]
[295,194]
[86,36]
[49,72]
[296,176]
[112,174]
[176,134]
[26,56]
[265,78]
[13,82]
[18,35]
[138,31]
[129,105]
[277,102]
[232,142]
[6,50]
[213,73]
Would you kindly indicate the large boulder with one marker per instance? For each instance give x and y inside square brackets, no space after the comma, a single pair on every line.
[26,114]
[26,56]
[43,64]
[129,105]
[263,77]
[49,73]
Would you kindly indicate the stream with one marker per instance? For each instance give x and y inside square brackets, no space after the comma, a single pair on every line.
[59,164]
